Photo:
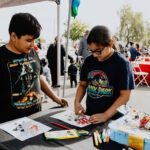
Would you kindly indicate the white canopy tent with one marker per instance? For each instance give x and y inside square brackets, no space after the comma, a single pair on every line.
[11,3]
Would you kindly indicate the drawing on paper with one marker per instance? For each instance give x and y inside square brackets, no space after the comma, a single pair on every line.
[70,118]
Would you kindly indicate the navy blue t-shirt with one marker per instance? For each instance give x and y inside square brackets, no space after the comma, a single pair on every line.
[105,80]
[134,53]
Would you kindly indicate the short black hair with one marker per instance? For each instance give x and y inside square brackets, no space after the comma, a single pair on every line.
[71,61]
[131,43]
[99,35]
[24,24]
[137,46]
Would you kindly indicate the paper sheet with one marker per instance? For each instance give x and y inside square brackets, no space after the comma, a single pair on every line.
[70,118]
[24,128]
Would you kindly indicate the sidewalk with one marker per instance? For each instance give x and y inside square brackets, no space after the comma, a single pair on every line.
[139,99]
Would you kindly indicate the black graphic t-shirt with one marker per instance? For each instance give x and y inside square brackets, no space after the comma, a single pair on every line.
[20,84]
[105,80]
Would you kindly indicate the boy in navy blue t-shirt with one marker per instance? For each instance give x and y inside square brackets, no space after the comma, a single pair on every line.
[106,77]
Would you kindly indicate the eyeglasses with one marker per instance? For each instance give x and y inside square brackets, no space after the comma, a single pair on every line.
[97,51]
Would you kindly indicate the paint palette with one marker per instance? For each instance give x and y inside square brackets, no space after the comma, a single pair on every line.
[70,117]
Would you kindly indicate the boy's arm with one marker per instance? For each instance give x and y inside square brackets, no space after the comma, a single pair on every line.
[102,117]
[81,90]
[48,91]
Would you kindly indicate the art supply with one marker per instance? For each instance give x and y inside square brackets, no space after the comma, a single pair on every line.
[71,118]
[108,135]
[83,132]
[98,136]
[60,125]
[104,135]
[127,130]
[61,134]
[95,139]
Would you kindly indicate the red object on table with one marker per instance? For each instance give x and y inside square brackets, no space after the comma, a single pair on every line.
[60,125]
[147,59]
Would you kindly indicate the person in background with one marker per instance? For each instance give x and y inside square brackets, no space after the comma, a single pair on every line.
[83,48]
[46,71]
[145,51]
[106,77]
[137,46]
[76,48]
[52,61]
[39,44]
[72,73]
[127,53]
[117,44]
[20,71]
[134,53]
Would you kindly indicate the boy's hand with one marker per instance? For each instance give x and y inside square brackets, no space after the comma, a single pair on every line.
[98,118]
[64,103]
[79,110]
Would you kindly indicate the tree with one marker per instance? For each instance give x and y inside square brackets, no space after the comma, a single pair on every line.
[146,39]
[77,30]
[131,25]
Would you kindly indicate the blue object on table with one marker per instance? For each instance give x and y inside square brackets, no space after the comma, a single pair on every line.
[122,138]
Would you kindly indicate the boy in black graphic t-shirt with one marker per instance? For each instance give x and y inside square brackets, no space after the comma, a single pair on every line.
[20,71]
[106,76]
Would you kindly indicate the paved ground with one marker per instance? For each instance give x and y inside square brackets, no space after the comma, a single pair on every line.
[140,98]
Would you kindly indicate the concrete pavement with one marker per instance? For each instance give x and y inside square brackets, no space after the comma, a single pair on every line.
[140,98]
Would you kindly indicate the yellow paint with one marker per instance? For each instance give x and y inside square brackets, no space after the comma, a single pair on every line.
[136,142]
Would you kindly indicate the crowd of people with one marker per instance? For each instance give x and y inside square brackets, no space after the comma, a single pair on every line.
[134,51]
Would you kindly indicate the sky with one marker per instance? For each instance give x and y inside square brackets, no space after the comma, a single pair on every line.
[92,12]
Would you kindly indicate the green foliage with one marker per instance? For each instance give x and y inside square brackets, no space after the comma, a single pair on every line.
[146,39]
[41,39]
[131,25]
[77,30]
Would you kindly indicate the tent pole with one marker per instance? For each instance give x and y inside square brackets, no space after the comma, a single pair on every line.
[58,46]
[58,2]
[67,43]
